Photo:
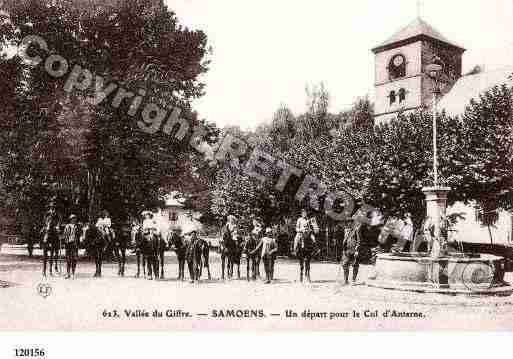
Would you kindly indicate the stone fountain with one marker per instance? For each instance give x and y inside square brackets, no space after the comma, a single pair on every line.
[440,270]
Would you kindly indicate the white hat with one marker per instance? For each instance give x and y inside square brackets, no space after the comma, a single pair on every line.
[144,213]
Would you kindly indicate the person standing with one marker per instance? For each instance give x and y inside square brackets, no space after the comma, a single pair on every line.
[268,247]
[350,251]
[193,255]
[71,239]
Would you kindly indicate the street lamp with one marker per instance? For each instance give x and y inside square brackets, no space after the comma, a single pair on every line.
[434,72]
[436,196]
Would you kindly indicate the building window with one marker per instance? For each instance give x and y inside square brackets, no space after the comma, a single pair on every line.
[402,95]
[392,97]
[173,217]
[397,67]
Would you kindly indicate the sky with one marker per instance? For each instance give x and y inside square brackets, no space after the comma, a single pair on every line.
[266,51]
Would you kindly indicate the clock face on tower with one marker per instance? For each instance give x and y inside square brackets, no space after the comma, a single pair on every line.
[397,67]
[398,60]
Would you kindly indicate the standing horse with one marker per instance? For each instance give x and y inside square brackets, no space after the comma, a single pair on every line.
[160,246]
[50,244]
[204,258]
[150,247]
[137,244]
[227,248]
[252,259]
[120,243]
[305,252]
[237,255]
[96,244]
[197,255]
[177,243]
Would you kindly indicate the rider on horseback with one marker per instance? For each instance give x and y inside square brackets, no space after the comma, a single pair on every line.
[104,225]
[304,226]
[50,238]
[149,225]
[71,240]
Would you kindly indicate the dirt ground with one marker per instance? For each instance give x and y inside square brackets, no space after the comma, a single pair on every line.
[128,303]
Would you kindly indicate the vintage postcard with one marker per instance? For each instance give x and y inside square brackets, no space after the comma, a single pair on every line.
[170,165]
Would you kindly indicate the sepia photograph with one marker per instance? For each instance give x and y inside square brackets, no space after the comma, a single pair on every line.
[299,166]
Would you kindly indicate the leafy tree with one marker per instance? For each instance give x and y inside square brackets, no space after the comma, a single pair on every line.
[96,156]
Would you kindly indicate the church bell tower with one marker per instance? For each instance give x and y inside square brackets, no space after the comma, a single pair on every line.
[400,81]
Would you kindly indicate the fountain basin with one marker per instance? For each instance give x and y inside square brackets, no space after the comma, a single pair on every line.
[457,273]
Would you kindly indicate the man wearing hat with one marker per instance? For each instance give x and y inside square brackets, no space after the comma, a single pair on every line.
[268,247]
[149,225]
[192,255]
[71,238]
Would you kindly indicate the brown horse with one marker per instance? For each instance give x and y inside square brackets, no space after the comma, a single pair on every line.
[197,255]
[178,244]
[252,259]
[50,244]
[227,249]
[137,244]
[305,253]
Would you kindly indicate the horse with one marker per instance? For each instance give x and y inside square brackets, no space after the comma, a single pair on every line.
[305,253]
[237,255]
[252,259]
[177,242]
[153,249]
[197,255]
[227,249]
[96,243]
[138,247]
[50,244]
[120,244]
[160,246]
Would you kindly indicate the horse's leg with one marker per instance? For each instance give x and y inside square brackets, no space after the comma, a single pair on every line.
[307,268]
[222,265]
[100,261]
[247,266]
[162,264]
[50,260]
[123,261]
[190,266]
[301,264]
[179,267]
[229,268]
[117,257]
[56,258]
[206,259]
[183,268]
[149,269]
[45,259]
[272,267]
[144,260]
[258,266]
[96,260]
[138,259]
[74,263]
[254,267]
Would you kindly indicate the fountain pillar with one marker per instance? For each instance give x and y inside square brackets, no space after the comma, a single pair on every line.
[436,206]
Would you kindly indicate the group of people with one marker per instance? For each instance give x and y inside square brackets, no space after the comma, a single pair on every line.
[259,245]
[72,236]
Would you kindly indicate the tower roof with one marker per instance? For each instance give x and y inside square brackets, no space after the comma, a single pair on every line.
[414,31]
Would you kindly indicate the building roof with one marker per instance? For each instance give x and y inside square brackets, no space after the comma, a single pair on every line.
[417,28]
[471,86]
[174,199]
